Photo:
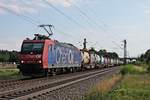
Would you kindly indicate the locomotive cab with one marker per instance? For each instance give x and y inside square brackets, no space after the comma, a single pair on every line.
[31,57]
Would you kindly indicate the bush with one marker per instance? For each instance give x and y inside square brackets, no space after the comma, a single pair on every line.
[101,90]
[132,69]
[148,69]
[140,63]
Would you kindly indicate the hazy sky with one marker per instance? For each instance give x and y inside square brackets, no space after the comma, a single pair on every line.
[105,23]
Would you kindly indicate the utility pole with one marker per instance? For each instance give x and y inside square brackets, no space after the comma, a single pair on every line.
[84,44]
[125,51]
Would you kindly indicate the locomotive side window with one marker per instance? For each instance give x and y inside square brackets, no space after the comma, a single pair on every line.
[32,47]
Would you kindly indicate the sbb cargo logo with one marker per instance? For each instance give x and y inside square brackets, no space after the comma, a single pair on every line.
[64,55]
[61,55]
[58,55]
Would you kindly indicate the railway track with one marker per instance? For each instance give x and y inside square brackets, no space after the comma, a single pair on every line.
[39,87]
[6,85]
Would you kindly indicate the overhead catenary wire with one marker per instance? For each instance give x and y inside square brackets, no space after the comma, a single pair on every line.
[74,21]
[30,20]
[66,34]
[89,20]
[117,45]
[26,18]
[68,17]
[62,32]
[103,23]
[71,36]
[20,8]
[83,15]
[88,17]
[65,15]
[39,23]
[94,13]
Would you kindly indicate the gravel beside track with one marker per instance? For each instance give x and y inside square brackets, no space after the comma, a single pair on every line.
[63,87]
[73,92]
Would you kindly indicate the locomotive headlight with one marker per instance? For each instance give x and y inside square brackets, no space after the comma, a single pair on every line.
[22,61]
[40,61]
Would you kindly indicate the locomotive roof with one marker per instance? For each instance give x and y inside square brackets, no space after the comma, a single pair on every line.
[33,41]
[68,45]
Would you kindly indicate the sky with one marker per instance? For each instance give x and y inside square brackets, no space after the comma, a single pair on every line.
[104,23]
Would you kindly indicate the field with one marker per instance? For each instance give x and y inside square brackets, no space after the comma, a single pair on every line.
[9,74]
[133,85]
[8,66]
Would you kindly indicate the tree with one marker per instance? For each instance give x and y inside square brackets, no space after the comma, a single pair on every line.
[13,57]
[92,49]
[112,55]
[102,52]
[8,56]
[145,57]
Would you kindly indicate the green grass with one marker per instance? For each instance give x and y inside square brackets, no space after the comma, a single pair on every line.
[135,85]
[9,74]
[100,91]
[133,69]
[132,87]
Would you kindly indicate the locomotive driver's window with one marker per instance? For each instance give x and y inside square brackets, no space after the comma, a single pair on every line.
[32,47]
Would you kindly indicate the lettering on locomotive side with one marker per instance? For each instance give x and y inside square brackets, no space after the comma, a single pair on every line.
[58,55]
[65,55]
[61,55]
[70,58]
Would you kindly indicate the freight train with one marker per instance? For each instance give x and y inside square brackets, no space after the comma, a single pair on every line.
[44,56]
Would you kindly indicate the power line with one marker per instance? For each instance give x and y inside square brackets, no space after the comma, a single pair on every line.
[62,13]
[63,33]
[82,14]
[37,21]
[53,27]
[104,24]
[89,18]
[68,17]
[117,45]
[91,10]
[74,21]
[30,20]
[26,18]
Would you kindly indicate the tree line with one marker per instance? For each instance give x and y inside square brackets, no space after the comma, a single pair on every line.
[104,53]
[9,56]
[145,57]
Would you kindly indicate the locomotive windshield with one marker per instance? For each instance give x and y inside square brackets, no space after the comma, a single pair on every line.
[36,48]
